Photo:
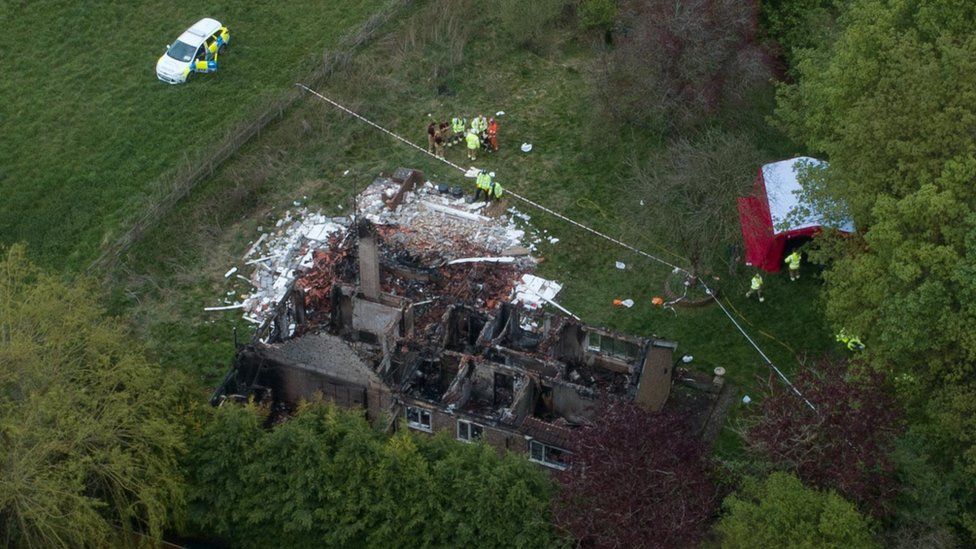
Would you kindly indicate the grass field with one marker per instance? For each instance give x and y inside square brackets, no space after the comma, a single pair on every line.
[86,129]
[177,269]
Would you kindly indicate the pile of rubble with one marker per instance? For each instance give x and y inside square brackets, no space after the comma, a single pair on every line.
[448,249]
[440,217]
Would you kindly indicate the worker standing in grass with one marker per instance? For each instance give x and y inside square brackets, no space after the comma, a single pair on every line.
[431,132]
[457,130]
[492,142]
[793,262]
[480,126]
[473,142]
[484,182]
[756,287]
[438,145]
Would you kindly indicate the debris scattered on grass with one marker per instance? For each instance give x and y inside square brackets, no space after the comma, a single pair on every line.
[620,265]
[526,147]
[225,308]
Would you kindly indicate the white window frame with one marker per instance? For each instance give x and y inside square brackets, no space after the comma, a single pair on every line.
[593,341]
[421,412]
[467,428]
[545,455]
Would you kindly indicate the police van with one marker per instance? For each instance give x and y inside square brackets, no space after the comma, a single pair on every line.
[195,51]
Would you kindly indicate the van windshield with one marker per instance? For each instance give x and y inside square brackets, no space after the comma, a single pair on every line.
[181,51]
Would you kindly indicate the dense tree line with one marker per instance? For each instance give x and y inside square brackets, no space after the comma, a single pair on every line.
[325,478]
[890,102]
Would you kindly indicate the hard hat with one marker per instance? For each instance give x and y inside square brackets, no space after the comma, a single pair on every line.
[492,174]
[657,301]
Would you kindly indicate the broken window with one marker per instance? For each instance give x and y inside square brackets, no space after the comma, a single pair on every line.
[593,342]
[550,456]
[619,348]
[418,418]
[469,432]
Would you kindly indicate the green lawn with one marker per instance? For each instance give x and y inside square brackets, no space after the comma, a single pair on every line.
[86,129]
[178,268]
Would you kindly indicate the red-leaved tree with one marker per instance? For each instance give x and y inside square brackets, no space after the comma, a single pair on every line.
[845,444]
[636,479]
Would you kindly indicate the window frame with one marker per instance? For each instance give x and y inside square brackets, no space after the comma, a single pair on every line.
[611,346]
[468,427]
[589,341]
[544,451]
[419,425]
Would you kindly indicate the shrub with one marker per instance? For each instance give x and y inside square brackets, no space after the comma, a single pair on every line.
[597,14]
[781,512]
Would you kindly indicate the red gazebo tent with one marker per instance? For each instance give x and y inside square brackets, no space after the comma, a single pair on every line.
[767,225]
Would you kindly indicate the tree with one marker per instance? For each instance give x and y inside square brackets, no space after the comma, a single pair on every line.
[798,25]
[846,444]
[928,499]
[326,478]
[781,512]
[673,63]
[890,103]
[636,479]
[690,191]
[88,443]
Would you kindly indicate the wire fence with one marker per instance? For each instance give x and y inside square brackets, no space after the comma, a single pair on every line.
[179,183]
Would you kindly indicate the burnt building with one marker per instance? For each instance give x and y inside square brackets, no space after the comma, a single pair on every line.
[393,323]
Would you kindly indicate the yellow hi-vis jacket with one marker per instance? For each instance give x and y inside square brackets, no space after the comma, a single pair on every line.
[479,124]
[756,282]
[853,343]
[457,124]
[496,189]
[793,260]
[472,140]
[483,181]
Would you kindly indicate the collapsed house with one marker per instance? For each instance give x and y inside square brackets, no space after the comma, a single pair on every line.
[423,313]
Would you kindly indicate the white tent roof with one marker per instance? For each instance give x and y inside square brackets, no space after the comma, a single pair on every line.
[784,193]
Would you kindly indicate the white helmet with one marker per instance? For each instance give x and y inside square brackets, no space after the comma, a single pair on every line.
[492,174]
